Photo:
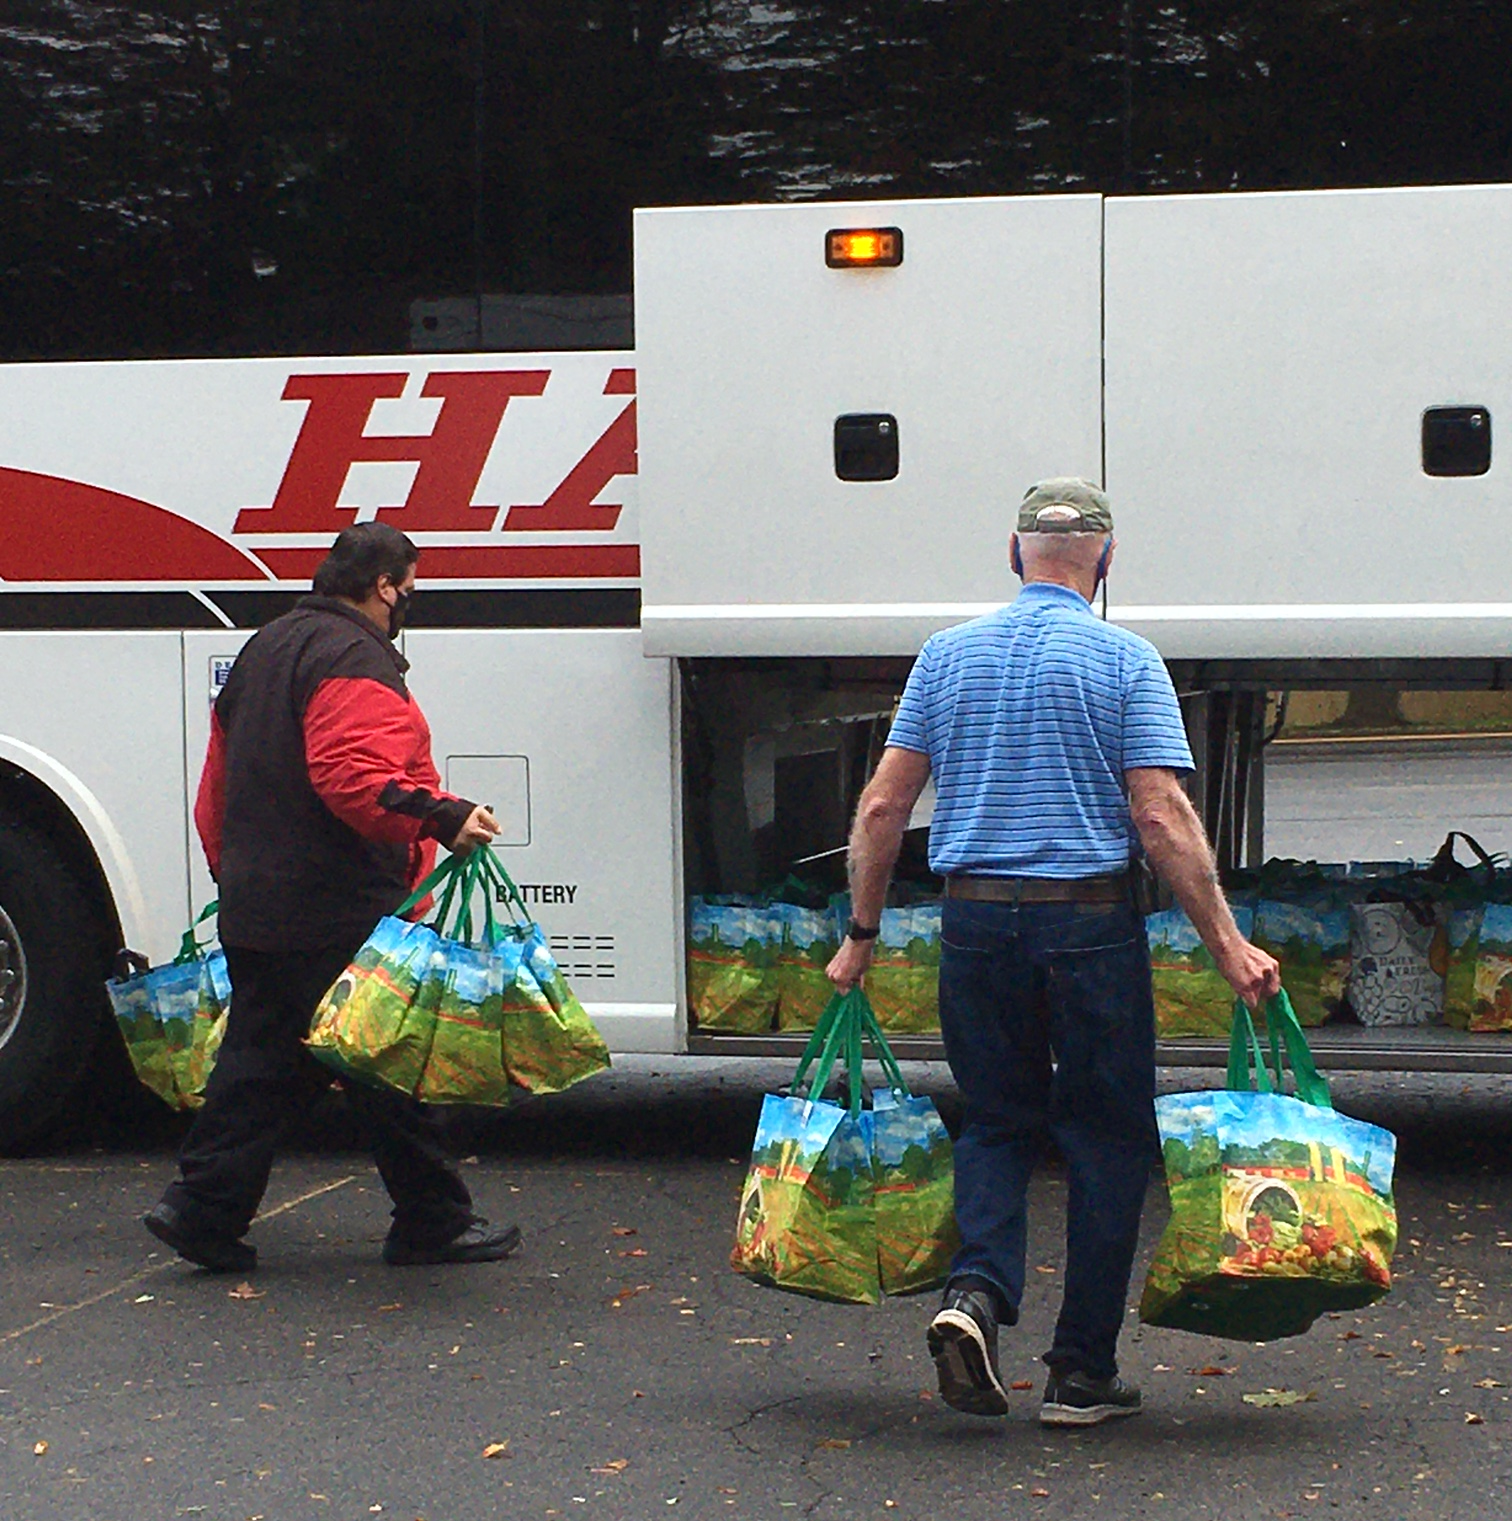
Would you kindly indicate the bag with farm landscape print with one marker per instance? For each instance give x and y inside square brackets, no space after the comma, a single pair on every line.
[1281,1208]
[1192,997]
[844,1202]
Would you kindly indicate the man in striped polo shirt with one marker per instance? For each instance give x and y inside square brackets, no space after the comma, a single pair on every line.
[1057,746]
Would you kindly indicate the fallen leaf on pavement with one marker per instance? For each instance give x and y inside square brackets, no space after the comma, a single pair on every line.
[1269,1397]
[1488,1383]
[1021,1383]
[623,1230]
[750,1341]
[1349,1336]
[1211,1370]
[1472,1419]
[1458,1348]
[1040,1494]
[244,1291]
[615,1465]
[497,1449]
[386,1309]
[39,1448]
[1044,1268]
[262,1406]
[837,1444]
[628,1292]
[635,1251]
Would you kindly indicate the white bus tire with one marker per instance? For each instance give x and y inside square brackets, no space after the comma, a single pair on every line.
[51,995]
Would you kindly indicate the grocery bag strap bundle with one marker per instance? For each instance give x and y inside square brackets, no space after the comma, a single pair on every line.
[847,1025]
[189,946]
[1246,1067]
[457,879]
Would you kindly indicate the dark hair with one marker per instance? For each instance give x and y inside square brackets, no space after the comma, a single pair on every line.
[359,556]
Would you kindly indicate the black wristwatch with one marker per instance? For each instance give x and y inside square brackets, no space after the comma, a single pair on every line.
[855,930]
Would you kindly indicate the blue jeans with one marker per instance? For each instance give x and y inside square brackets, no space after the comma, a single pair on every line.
[1049,1027]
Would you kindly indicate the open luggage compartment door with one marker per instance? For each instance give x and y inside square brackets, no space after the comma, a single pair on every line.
[830,456]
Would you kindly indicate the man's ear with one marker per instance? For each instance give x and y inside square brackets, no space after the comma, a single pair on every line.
[1015,559]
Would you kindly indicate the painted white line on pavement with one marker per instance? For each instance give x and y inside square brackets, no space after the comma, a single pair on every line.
[158,1267]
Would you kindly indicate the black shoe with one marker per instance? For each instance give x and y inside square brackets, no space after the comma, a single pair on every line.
[963,1342]
[480,1242]
[216,1254]
[1073,1399]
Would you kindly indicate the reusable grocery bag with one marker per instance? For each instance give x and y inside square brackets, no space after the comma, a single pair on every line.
[1462,893]
[810,938]
[1399,955]
[1308,932]
[842,1202]
[549,1042]
[1192,997]
[732,965]
[1281,1208]
[173,1018]
[377,1022]
[903,980]
[1493,970]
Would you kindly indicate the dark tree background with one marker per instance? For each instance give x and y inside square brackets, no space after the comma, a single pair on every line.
[266,176]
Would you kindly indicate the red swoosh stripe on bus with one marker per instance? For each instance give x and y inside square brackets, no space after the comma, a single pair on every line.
[59,530]
[472,562]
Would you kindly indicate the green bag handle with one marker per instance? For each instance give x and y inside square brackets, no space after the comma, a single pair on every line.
[446,870]
[823,1049]
[493,871]
[189,946]
[457,877]
[1246,1063]
[1282,1025]
[847,1023]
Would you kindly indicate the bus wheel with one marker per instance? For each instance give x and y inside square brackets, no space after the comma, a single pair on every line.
[51,992]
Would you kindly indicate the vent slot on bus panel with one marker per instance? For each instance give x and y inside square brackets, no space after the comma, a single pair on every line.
[582,957]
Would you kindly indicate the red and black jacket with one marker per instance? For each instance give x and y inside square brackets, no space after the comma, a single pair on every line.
[319,805]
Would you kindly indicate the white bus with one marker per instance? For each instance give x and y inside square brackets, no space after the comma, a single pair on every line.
[670,596]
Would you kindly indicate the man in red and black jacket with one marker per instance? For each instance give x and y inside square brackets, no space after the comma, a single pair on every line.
[319,809]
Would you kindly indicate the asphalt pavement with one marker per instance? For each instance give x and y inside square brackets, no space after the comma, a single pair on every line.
[616,1367]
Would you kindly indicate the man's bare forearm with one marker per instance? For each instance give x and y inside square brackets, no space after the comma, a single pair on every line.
[876,838]
[1173,838]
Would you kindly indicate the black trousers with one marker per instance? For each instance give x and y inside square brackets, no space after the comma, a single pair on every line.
[264,1077]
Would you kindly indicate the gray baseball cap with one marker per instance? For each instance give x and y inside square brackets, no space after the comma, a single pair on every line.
[1066,504]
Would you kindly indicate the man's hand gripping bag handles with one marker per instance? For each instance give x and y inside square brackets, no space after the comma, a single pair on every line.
[1281,1208]
[843,1202]
[452,1019]
[173,1017]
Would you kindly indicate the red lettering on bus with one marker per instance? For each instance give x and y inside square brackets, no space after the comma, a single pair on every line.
[451,456]
[571,506]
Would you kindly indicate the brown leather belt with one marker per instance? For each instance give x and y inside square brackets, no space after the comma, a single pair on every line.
[1109,889]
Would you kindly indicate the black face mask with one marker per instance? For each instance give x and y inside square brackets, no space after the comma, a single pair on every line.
[398,611]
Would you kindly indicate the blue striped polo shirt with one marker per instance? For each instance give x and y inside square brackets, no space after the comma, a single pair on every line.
[1030,716]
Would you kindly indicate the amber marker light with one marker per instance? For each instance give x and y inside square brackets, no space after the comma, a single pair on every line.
[863,247]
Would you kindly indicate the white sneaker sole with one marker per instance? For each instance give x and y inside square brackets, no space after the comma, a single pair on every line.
[1084,1415]
[967,1380]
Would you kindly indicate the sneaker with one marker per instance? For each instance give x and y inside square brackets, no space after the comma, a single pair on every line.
[962,1340]
[216,1254]
[480,1242]
[1073,1399]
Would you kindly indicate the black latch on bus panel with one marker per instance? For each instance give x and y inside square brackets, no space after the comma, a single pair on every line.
[1456,441]
[866,446]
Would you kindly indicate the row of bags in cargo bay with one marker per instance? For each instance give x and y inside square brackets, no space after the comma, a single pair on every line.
[756,965]
[1380,944]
